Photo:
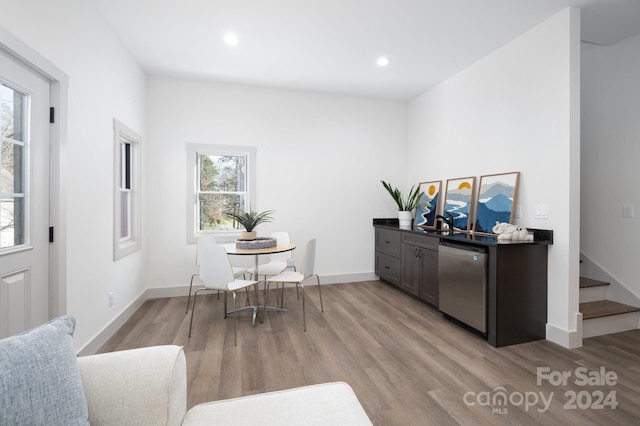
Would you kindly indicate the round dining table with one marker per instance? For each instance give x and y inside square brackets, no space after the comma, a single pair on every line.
[280,248]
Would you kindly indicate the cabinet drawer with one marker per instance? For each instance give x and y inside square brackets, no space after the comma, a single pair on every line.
[421,240]
[388,267]
[388,242]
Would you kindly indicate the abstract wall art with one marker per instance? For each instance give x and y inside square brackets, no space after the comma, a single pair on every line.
[496,200]
[459,202]
[429,204]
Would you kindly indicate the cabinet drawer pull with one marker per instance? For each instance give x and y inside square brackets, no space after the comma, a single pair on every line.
[386,267]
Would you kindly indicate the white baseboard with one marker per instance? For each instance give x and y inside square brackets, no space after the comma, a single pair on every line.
[162,292]
[348,278]
[97,342]
[569,339]
[157,293]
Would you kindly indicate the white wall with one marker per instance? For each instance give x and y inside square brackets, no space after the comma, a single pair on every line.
[319,162]
[515,110]
[104,83]
[610,152]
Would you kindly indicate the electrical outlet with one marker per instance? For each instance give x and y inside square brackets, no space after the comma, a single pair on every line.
[111,299]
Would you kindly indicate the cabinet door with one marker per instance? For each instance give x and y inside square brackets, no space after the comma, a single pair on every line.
[411,268]
[428,289]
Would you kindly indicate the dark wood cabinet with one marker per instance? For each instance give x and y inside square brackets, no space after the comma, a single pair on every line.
[516,277]
[388,253]
[420,267]
[517,294]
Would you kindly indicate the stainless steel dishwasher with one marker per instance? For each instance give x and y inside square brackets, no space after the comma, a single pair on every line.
[463,283]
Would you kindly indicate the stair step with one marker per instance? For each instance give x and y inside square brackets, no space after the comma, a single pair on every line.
[604,308]
[589,282]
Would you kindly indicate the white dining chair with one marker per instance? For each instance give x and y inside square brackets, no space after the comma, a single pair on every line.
[307,266]
[237,270]
[277,262]
[217,274]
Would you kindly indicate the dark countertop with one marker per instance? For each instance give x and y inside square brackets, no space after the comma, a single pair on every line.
[540,236]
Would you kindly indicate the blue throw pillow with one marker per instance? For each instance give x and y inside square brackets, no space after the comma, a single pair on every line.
[39,378]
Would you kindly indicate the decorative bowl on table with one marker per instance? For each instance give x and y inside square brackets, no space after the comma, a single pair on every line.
[258,243]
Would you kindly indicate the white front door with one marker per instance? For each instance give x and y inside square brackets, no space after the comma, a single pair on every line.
[24,196]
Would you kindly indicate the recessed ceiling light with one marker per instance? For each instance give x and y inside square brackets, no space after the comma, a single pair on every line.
[382,61]
[231,39]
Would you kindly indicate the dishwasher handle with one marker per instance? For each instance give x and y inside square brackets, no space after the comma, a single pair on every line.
[462,246]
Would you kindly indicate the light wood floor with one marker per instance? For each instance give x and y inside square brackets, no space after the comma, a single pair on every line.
[407,364]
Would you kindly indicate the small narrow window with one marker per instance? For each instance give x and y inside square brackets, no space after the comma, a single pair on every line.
[127,195]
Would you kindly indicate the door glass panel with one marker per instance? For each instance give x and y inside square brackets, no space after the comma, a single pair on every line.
[12,173]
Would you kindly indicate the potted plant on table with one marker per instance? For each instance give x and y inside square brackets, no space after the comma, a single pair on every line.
[407,205]
[249,220]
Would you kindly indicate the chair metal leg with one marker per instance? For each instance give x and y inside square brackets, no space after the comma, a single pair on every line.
[190,287]
[235,320]
[257,305]
[192,311]
[266,299]
[304,313]
[319,291]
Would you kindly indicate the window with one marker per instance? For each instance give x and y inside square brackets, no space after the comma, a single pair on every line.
[126,235]
[13,125]
[221,179]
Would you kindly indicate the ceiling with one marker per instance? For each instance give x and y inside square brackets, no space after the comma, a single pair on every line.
[331,46]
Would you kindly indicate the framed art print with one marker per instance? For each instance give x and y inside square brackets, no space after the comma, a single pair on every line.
[496,201]
[459,202]
[429,204]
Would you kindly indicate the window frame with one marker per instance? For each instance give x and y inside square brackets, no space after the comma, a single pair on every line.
[193,151]
[126,169]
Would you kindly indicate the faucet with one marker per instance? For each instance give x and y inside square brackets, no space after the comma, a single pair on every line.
[448,221]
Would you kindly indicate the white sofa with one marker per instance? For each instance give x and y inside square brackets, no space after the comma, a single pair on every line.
[149,386]
[43,382]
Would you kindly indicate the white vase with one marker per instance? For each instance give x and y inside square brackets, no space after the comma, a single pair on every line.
[405,218]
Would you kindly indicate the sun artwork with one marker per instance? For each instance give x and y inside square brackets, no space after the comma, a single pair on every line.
[432,190]
[464,185]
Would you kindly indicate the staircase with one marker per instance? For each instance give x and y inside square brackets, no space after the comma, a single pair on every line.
[601,316]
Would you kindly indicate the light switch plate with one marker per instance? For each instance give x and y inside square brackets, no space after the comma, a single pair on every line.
[627,211]
[541,211]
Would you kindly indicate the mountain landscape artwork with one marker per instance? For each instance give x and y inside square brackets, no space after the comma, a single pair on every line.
[496,201]
[429,204]
[458,202]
